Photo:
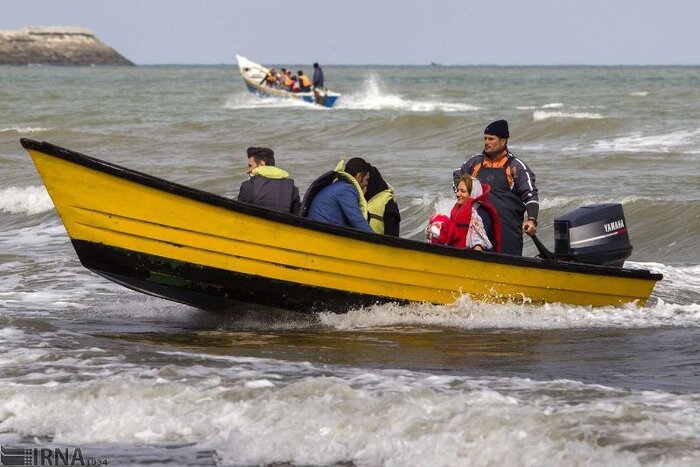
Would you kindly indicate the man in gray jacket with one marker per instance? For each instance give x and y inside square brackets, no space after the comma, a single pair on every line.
[513,189]
[269,186]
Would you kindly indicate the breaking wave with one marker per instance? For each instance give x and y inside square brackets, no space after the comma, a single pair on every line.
[25,130]
[553,105]
[252,101]
[374,97]
[29,200]
[540,115]
[661,143]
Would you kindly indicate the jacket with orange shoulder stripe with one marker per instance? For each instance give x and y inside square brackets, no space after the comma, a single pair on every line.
[520,177]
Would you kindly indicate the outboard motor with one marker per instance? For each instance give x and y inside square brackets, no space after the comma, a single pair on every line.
[595,234]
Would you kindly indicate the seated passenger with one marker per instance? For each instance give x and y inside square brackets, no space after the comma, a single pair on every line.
[270,78]
[269,187]
[287,80]
[473,221]
[295,85]
[384,215]
[304,82]
[337,197]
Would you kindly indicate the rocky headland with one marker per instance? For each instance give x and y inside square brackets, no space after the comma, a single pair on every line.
[56,46]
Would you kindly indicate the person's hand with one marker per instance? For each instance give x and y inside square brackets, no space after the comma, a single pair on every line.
[478,248]
[530,227]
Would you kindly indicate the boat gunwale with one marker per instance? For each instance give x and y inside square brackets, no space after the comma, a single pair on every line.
[306,223]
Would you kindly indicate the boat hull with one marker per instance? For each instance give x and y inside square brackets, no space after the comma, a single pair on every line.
[211,288]
[212,252]
[265,91]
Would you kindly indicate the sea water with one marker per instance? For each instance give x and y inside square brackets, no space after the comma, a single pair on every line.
[133,379]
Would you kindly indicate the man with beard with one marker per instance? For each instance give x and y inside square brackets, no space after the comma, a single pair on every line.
[513,189]
[337,197]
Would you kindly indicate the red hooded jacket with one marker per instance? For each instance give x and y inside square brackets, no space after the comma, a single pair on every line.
[454,230]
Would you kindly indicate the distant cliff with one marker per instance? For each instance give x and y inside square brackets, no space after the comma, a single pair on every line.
[56,46]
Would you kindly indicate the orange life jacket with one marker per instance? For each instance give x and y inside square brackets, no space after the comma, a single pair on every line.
[305,81]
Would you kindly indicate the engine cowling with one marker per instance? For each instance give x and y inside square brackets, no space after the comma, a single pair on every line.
[593,234]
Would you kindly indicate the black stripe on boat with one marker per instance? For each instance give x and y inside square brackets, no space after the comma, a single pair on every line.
[211,288]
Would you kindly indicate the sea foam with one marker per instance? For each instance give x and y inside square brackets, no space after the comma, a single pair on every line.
[28,200]
[553,105]
[540,115]
[306,414]
[473,315]
[374,97]
[23,130]
[684,140]
[561,201]
[252,101]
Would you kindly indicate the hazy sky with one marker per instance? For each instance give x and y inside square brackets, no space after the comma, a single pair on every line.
[517,32]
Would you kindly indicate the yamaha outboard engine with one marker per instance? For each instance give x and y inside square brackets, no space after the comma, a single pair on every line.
[595,234]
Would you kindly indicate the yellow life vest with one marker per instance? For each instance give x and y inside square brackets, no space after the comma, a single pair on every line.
[269,171]
[350,179]
[305,81]
[376,207]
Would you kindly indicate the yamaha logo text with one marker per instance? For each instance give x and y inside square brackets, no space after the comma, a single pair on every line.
[614,225]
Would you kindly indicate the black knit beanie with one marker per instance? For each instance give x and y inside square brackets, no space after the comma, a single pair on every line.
[498,128]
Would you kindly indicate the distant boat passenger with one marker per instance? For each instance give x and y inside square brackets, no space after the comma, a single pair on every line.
[295,85]
[304,82]
[318,76]
[287,81]
[270,78]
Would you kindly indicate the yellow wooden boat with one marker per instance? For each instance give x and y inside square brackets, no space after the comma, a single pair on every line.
[212,252]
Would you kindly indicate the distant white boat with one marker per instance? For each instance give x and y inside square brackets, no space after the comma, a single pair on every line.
[254,75]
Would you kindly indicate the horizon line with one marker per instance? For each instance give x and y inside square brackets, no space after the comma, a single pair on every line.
[443,65]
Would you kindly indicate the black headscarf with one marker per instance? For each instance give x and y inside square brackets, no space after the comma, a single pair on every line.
[376,183]
[392,215]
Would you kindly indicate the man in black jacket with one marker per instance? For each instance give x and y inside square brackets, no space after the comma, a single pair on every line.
[269,186]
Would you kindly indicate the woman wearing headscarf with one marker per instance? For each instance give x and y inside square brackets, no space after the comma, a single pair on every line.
[383,212]
[473,221]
